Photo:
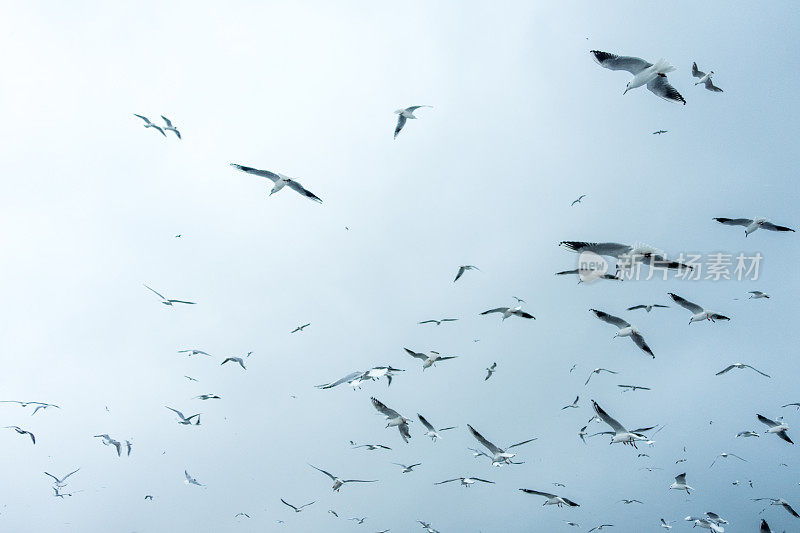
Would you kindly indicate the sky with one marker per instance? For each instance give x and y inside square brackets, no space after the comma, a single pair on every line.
[523,122]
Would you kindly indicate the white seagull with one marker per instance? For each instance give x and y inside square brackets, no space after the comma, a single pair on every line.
[279,180]
[597,371]
[620,433]
[298,509]
[648,307]
[234,360]
[195,352]
[438,322]
[429,360]
[725,455]
[552,499]
[378,372]
[747,434]
[588,274]
[338,482]
[186,421]
[755,295]
[405,114]
[705,523]
[490,370]
[778,428]
[465,481]
[705,78]
[751,225]
[170,127]
[783,503]
[578,200]
[394,418]
[698,312]
[644,73]
[499,456]
[59,482]
[190,480]
[573,404]
[740,366]
[462,269]
[168,302]
[509,311]
[407,468]
[680,483]
[665,524]
[107,440]
[625,330]
[349,378]
[432,432]
[148,124]
[22,432]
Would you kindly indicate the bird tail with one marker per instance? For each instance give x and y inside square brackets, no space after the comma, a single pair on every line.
[662,66]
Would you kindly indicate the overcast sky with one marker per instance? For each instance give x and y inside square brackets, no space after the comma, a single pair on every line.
[523,122]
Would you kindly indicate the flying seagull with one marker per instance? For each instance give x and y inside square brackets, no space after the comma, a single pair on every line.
[600,527]
[195,352]
[625,254]
[508,311]
[659,132]
[464,268]
[432,432]
[574,404]
[625,330]
[465,481]
[588,274]
[300,328]
[705,523]
[698,312]
[644,73]
[429,360]
[490,370]
[597,371]
[665,524]
[552,499]
[165,301]
[779,428]
[279,180]
[438,322]
[747,434]
[499,456]
[755,295]
[680,483]
[628,502]
[394,418]
[349,378]
[725,455]
[751,225]
[620,433]
[377,372]
[186,421]
[59,482]
[190,480]
[632,388]
[338,482]
[578,200]
[241,514]
[170,127]
[403,115]
[234,360]
[705,78]
[148,124]
[740,366]
[22,432]
[108,441]
[207,397]
[407,468]
[370,447]
[648,307]
[298,509]
[783,503]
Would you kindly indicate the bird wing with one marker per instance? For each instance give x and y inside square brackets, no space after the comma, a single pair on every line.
[711,87]
[570,502]
[181,302]
[157,293]
[634,65]
[359,481]
[523,442]
[263,173]
[764,527]
[564,272]
[425,423]
[147,120]
[659,305]
[496,310]
[323,471]
[404,432]
[697,73]
[789,508]
[389,413]
[294,185]
[660,87]
[611,319]
[415,107]
[482,480]
[289,504]
[523,314]
[401,121]
[416,354]
[681,478]
[605,417]
[428,322]
[65,477]
[159,129]
[168,122]
[54,477]
[781,434]
[538,493]
[772,227]
[348,377]
[491,447]
[686,304]
[734,221]
[638,340]
[717,316]
[757,370]
[447,481]
[445,358]
[635,307]
[611,249]
[767,421]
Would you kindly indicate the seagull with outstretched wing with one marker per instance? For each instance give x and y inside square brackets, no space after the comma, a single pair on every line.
[625,330]
[403,115]
[394,419]
[698,313]
[751,225]
[279,180]
[740,366]
[654,76]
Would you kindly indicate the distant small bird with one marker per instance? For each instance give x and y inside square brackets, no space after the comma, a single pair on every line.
[725,455]
[195,352]
[438,322]
[190,378]
[338,482]
[659,132]
[600,527]
[235,360]
[148,124]
[783,503]
[207,397]
[740,366]
[370,447]
[705,78]
[552,499]
[465,481]
[298,509]
[597,371]
[170,127]
[648,307]
[490,371]
[632,388]
[165,301]
[148,497]
[510,311]
[578,200]
[628,502]
[334,513]
[407,468]
[129,447]
[359,520]
[429,360]
[754,295]
[300,328]
[574,404]
[108,441]
[432,432]
[237,515]
[464,268]
[665,524]
[190,480]
[403,115]
[60,482]
[22,432]
[280,181]
[751,225]
[186,421]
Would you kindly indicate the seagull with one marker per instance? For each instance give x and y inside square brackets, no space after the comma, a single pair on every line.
[300,328]
[186,421]
[648,307]
[644,73]
[714,517]
[465,481]
[40,406]
[61,495]
[628,502]
[22,432]
[597,371]
[438,322]
[665,524]
[394,418]
[370,447]
[338,482]
[207,397]
[431,431]
[680,483]
[359,520]
[620,433]
[59,482]
[235,360]
[588,274]
[298,509]
[698,312]
[779,428]
[349,378]
[334,513]
[165,301]
[499,456]
[407,468]
[574,404]
[625,254]
[633,388]
[378,372]
[573,524]
[190,480]
[625,330]
[279,180]
[490,370]
[129,446]
[148,497]
[659,132]
[783,503]
[403,115]
[148,124]
[751,225]
[241,514]
[796,404]
[190,378]
[740,366]
[170,127]
[464,268]
[705,523]
[755,295]
[705,78]
[578,200]
[508,311]
[552,499]
[429,360]
[598,528]
[107,440]
[519,300]
[747,434]
[195,352]
[725,455]
[427,527]
[582,434]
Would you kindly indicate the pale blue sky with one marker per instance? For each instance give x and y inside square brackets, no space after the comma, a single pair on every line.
[523,121]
